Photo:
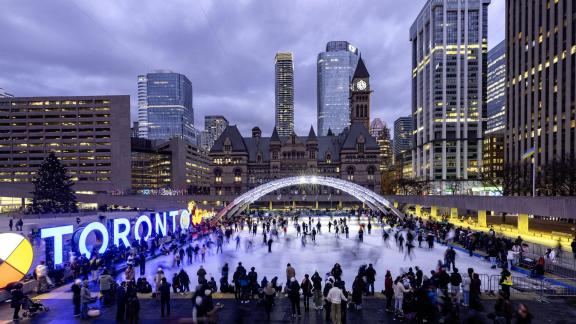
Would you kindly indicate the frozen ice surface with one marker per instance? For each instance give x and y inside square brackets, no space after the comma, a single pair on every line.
[320,256]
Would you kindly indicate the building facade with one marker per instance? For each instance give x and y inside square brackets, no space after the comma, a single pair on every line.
[402,136]
[239,163]
[449,63]
[89,134]
[493,142]
[214,125]
[165,108]
[496,95]
[541,79]
[335,68]
[284,90]
[168,164]
[381,133]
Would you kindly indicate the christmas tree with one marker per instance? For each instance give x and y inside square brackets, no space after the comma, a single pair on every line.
[53,188]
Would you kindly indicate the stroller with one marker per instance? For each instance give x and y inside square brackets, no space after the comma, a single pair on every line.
[31,308]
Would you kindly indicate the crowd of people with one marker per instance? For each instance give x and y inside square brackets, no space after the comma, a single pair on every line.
[411,294]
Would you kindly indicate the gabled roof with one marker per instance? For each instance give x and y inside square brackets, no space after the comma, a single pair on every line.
[275,137]
[311,134]
[236,140]
[356,130]
[361,70]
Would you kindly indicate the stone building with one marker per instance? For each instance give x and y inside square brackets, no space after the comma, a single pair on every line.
[239,163]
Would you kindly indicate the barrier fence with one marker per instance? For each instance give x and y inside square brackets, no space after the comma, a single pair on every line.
[542,288]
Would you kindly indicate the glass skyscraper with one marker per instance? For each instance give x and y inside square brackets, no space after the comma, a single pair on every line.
[335,69]
[449,63]
[496,88]
[284,88]
[165,106]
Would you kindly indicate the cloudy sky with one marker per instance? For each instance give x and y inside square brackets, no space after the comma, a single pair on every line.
[226,47]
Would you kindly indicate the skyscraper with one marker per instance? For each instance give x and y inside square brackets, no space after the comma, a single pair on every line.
[496,88]
[284,63]
[541,78]
[214,125]
[493,142]
[449,61]
[381,133]
[165,108]
[403,128]
[335,69]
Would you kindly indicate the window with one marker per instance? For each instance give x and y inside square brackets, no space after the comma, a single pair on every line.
[371,171]
[237,175]
[350,173]
[227,145]
[218,175]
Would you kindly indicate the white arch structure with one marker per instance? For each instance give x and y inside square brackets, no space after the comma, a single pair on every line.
[367,196]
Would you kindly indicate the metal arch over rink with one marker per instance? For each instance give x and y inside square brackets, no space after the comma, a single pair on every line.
[367,196]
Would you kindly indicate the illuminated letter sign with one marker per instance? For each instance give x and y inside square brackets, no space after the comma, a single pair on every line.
[95,226]
[160,223]
[173,214]
[139,221]
[185,219]
[121,235]
[57,233]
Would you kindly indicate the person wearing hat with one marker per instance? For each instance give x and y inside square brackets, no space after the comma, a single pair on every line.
[294,295]
[85,299]
[76,296]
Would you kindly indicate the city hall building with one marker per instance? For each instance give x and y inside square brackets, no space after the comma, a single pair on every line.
[239,163]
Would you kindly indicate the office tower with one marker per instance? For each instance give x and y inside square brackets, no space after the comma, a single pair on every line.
[214,125]
[134,130]
[541,79]
[403,129]
[335,69]
[381,133]
[493,142]
[284,63]
[5,94]
[449,63]
[496,88]
[165,106]
[89,134]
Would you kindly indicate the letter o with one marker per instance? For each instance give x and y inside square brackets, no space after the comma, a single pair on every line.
[140,220]
[95,226]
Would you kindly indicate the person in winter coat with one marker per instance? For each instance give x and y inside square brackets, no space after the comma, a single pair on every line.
[328,305]
[399,291]
[132,309]
[455,281]
[290,273]
[16,301]
[164,297]
[85,299]
[475,290]
[184,281]
[388,290]
[106,282]
[523,315]
[370,278]
[317,290]
[336,297]
[201,275]
[76,289]
[357,291]
[269,293]
[121,302]
[294,296]
[306,287]
[466,281]
[129,273]
[158,280]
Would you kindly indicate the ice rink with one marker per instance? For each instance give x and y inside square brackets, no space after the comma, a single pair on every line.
[319,256]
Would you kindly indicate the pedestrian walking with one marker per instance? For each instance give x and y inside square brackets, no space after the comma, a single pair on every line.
[132,309]
[336,297]
[85,299]
[76,290]
[16,300]
[165,297]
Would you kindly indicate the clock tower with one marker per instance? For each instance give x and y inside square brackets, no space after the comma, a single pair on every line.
[360,95]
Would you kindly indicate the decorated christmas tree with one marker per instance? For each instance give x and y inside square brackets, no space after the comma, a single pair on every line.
[53,188]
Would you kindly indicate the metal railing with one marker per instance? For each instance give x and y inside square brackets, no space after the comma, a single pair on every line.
[540,288]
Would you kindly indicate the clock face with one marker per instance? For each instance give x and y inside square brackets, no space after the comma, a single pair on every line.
[361,85]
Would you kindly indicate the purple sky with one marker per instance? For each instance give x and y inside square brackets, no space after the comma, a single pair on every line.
[226,48]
